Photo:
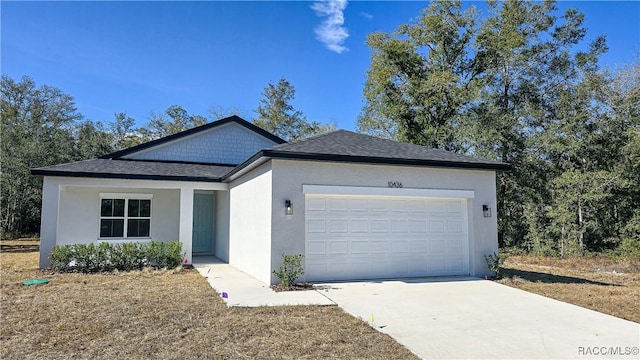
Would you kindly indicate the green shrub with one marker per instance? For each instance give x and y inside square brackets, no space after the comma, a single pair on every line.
[290,270]
[161,254]
[61,258]
[629,248]
[494,262]
[127,256]
[89,258]
[174,254]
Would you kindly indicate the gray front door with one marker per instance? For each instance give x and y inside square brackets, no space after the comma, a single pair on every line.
[202,241]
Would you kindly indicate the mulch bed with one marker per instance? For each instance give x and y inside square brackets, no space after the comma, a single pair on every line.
[294,287]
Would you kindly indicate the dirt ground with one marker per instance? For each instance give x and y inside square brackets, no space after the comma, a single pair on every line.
[607,285]
[163,315]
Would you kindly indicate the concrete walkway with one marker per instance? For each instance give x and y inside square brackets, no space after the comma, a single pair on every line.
[244,290]
[469,318]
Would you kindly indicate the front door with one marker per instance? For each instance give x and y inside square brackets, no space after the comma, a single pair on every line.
[202,242]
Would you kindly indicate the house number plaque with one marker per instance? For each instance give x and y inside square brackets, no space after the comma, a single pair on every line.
[394,184]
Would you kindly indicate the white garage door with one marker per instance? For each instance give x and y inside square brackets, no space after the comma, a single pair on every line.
[364,237]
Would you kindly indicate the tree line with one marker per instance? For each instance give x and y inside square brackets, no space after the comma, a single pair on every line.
[519,85]
[41,126]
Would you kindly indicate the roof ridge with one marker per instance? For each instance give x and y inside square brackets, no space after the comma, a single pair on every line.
[304,140]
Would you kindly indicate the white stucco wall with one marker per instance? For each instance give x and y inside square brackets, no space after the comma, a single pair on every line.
[80,214]
[250,223]
[227,144]
[288,232]
[221,225]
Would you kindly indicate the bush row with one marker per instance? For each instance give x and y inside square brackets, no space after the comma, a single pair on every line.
[90,258]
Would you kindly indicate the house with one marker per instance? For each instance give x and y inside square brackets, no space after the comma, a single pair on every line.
[357,206]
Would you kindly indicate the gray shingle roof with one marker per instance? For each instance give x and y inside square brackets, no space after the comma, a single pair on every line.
[345,145]
[337,146]
[133,169]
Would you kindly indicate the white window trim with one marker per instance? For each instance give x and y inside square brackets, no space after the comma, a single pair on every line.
[331,190]
[126,197]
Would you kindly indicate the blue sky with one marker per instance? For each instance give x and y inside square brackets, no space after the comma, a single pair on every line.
[138,57]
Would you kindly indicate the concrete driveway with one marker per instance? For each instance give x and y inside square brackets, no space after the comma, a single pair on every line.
[464,318]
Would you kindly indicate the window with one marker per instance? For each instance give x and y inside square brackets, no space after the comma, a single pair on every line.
[125,215]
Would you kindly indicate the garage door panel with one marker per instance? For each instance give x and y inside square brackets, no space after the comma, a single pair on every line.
[338,226]
[417,266]
[359,247]
[419,206]
[358,238]
[437,246]
[399,267]
[380,226]
[316,226]
[401,226]
[379,246]
[437,226]
[337,204]
[359,226]
[378,205]
[316,204]
[437,206]
[436,265]
[454,226]
[455,246]
[399,246]
[338,248]
[378,269]
[456,264]
[418,226]
[358,205]
[419,246]
[316,248]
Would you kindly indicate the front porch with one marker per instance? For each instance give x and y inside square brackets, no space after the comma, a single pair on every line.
[101,210]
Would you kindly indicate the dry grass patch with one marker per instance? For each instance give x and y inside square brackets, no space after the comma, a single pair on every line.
[162,314]
[606,285]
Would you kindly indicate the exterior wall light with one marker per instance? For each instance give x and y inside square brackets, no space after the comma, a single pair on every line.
[288,207]
[486,210]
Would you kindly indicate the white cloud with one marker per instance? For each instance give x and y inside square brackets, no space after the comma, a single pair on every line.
[331,31]
[366,15]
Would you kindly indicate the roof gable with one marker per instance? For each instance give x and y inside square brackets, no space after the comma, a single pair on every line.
[228,141]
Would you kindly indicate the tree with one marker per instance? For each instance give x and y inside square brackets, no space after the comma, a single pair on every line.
[532,82]
[37,125]
[278,116]
[622,96]
[421,77]
[220,112]
[92,140]
[123,133]
[511,87]
[174,120]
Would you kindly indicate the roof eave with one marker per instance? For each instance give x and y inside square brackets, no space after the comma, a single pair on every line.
[256,160]
[92,175]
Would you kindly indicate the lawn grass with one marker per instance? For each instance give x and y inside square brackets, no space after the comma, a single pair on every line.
[607,285]
[162,315]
